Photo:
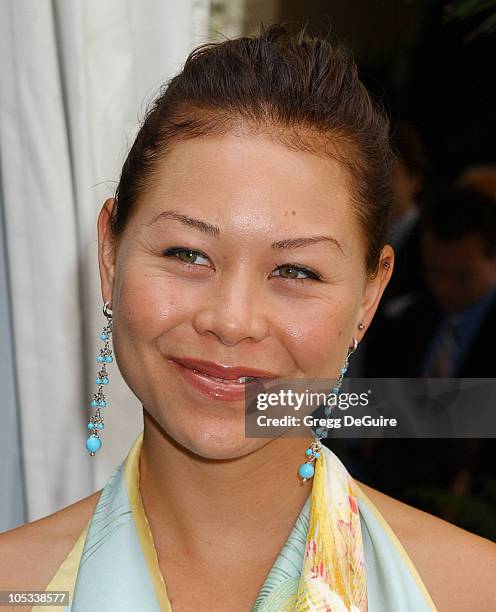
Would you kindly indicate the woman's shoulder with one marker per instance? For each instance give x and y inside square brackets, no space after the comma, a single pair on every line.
[31,554]
[457,567]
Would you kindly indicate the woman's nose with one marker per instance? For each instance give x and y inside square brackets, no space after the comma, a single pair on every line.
[233,310]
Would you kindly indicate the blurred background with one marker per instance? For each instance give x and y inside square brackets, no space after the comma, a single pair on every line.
[75,78]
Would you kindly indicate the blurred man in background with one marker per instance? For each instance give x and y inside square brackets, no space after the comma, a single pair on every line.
[404,236]
[408,181]
[448,328]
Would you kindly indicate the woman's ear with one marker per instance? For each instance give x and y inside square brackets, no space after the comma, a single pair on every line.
[106,249]
[375,287]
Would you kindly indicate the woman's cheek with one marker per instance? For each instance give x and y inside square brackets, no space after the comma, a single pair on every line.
[148,302]
[318,336]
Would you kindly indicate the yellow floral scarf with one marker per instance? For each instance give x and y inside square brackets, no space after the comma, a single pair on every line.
[333,572]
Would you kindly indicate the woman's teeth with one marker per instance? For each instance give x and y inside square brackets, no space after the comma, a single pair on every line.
[224,380]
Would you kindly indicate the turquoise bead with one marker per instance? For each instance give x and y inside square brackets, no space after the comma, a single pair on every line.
[335,390]
[90,425]
[98,380]
[317,455]
[94,403]
[93,444]
[308,451]
[100,359]
[102,403]
[105,381]
[109,359]
[101,425]
[306,470]
[344,370]
[104,336]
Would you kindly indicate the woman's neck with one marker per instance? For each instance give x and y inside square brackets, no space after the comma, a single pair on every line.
[244,508]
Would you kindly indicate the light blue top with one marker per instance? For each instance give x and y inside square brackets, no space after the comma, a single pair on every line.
[113,575]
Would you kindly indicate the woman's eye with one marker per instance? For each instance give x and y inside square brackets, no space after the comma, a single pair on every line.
[292,271]
[187,256]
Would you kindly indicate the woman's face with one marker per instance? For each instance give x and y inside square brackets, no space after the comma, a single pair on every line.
[234,300]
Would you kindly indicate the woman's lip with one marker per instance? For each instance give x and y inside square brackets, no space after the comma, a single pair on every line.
[218,370]
[205,384]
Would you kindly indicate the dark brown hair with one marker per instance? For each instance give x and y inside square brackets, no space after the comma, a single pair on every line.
[304,89]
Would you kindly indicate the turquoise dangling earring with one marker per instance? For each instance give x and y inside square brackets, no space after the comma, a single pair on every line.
[93,443]
[314,451]
[306,470]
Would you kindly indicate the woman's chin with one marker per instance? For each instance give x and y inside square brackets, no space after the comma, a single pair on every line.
[209,429]
[220,444]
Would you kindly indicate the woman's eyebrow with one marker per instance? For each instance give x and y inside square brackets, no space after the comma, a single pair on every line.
[198,224]
[294,243]
[214,230]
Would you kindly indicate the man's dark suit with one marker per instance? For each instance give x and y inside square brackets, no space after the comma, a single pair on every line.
[395,348]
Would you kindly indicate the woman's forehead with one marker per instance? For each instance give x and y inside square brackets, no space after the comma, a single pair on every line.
[246,174]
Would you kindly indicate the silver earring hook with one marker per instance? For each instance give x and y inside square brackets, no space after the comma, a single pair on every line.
[106,310]
[353,348]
